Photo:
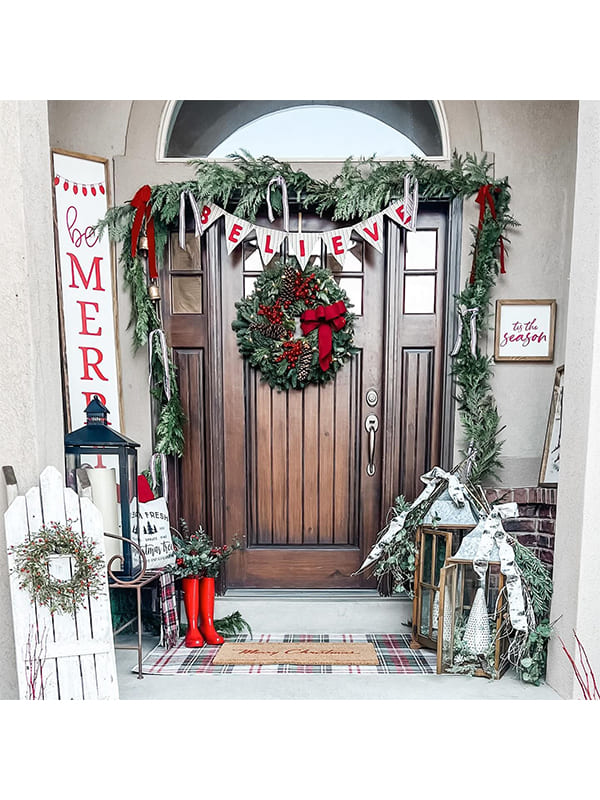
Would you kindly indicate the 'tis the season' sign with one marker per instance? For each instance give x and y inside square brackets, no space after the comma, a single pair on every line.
[86,287]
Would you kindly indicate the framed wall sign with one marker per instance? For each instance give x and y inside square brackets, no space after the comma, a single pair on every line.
[524,330]
[86,287]
[550,466]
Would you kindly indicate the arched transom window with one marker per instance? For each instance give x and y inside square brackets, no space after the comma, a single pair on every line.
[304,130]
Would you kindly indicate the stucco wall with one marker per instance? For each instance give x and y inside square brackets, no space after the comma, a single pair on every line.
[576,603]
[31,429]
[535,144]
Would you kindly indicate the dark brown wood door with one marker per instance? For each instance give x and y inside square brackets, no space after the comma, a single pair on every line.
[291,471]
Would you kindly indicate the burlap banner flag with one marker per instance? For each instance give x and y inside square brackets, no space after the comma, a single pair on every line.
[236,230]
[304,245]
[371,231]
[269,242]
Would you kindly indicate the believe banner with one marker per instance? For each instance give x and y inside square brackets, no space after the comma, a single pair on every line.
[303,245]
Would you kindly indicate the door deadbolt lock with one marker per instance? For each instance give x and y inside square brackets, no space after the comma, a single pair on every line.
[372,397]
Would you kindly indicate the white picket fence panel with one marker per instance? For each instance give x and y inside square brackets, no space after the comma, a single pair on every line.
[75,659]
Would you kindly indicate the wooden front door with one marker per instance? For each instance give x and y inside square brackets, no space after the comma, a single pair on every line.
[298,473]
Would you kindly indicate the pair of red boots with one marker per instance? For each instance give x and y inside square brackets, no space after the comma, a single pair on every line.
[198,594]
[199,602]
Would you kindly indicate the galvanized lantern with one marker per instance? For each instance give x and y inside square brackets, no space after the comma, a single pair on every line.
[444,527]
[97,445]
[473,613]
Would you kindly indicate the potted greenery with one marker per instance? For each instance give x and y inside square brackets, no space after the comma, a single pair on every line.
[198,562]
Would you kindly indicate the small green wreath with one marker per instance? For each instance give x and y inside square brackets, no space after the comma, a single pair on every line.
[31,567]
[287,300]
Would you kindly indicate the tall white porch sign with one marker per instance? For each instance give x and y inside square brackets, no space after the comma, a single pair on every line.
[87,287]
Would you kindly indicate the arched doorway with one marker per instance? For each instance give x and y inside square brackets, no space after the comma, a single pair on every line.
[289,470]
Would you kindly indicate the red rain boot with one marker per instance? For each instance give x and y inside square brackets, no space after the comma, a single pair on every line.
[207,611]
[191,601]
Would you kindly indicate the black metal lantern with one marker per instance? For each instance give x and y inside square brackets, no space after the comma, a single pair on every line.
[96,444]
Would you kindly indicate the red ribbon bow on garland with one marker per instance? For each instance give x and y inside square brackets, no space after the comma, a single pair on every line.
[484,197]
[327,319]
[141,202]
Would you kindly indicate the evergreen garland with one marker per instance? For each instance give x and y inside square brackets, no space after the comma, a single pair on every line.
[361,189]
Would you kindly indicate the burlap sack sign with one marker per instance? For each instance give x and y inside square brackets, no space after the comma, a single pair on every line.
[155,533]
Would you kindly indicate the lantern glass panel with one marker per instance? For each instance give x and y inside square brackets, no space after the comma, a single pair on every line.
[471,620]
[440,558]
[426,608]
[427,556]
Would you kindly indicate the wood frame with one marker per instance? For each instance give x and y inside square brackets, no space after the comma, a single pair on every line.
[67,411]
[549,354]
[553,427]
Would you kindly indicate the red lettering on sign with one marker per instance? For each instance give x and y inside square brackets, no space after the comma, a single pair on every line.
[85,318]
[76,236]
[95,268]
[374,234]
[235,233]
[206,211]
[302,248]
[338,247]
[95,365]
[268,248]
[400,213]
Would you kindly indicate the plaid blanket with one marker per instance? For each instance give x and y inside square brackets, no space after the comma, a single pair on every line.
[169,629]
[393,651]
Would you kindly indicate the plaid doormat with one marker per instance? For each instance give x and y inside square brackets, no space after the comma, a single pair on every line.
[393,651]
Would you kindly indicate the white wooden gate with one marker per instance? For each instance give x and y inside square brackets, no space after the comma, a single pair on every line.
[60,656]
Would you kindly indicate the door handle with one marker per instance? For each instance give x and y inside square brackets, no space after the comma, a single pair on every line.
[371,425]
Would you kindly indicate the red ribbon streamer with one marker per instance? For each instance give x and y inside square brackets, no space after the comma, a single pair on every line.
[141,202]
[327,319]
[484,197]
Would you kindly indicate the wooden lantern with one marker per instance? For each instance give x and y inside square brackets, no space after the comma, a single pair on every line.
[433,547]
[473,616]
[443,529]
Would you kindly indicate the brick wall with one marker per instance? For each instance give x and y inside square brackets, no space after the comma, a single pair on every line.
[534,527]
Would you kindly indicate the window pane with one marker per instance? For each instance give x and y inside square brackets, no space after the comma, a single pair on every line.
[188,259]
[186,294]
[419,294]
[354,258]
[421,249]
[353,288]
[252,260]
[290,133]
[249,285]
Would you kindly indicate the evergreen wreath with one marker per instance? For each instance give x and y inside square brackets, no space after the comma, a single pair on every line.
[267,320]
[31,567]
[361,189]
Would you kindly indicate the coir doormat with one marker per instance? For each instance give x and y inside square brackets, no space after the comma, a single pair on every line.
[393,653]
[305,653]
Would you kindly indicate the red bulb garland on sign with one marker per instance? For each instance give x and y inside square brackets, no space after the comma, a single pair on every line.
[75,186]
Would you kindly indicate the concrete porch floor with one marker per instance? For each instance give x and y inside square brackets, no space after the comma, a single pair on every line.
[317,687]
[316,611]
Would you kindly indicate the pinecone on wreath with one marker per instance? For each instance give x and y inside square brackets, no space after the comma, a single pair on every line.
[304,363]
[287,294]
[272,330]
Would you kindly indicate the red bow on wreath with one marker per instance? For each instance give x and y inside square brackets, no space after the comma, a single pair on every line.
[327,319]
[484,197]
[141,202]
